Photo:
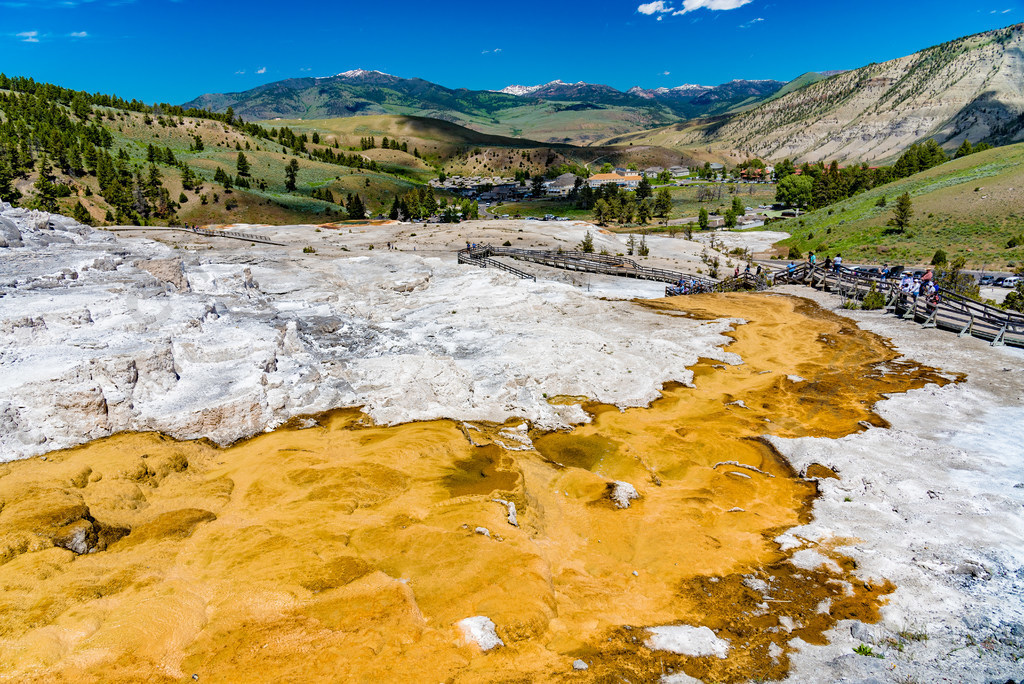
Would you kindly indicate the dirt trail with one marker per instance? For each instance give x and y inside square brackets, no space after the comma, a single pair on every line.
[347,551]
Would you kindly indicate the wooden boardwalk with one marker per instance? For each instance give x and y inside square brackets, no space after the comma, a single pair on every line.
[952,312]
[230,234]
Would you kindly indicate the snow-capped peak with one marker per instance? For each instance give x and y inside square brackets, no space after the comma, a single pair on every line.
[521,90]
[359,73]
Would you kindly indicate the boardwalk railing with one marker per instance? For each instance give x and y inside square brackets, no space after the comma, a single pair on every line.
[580,261]
[234,234]
[949,311]
[474,258]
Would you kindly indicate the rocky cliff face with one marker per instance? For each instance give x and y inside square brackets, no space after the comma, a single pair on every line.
[969,88]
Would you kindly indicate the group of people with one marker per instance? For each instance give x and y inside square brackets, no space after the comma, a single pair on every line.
[686,286]
[913,288]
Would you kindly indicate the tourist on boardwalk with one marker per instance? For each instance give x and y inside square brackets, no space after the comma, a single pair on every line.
[838,262]
[828,263]
[927,277]
[812,259]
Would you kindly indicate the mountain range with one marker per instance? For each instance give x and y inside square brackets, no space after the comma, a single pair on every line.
[508,111]
[972,87]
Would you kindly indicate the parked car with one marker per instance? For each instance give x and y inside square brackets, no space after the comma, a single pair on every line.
[896,272]
[986,280]
[1011,281]
[998,282]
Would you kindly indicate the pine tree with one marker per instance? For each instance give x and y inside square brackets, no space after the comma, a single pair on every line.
[662,203]
[903,212]
[291,173]
[242,165]
[964,149]
[219,176]
[587,243]
[356,209]
[46,197]
[643,189]
[81,214]
[702,219]
[8,193]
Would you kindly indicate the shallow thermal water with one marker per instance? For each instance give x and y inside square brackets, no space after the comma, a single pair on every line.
[339,550]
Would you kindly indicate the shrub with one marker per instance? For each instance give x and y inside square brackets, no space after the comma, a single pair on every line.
[794,253]
[506,243]
[308,250]
[939,258]
[873,300]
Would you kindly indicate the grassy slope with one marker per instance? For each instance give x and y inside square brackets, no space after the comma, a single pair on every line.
[970,206]
[267,160]
[461,150]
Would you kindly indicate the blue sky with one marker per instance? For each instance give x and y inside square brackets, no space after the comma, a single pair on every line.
[174,50]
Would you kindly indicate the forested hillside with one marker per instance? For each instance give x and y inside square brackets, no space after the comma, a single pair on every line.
[110,161]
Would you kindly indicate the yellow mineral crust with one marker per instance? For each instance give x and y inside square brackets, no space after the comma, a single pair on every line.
[348,552]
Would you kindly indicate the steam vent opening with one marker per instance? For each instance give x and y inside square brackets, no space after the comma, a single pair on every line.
[640,543]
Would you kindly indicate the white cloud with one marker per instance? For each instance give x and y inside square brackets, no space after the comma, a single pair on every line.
[239,73]
[78,34]
[691,5]
[261,70]
[752,22]
[656,7]
[29,36]
[666,73]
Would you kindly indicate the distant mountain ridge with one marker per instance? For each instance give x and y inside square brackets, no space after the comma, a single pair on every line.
[362,91]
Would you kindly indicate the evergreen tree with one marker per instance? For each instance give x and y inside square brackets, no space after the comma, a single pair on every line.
[643,189]
[662,203]
[396,209]
[643,210]
[81,214]
[219,176]
[316,138]
[737,206]
[964,149]
[903,212]
[46,193]
[291,173]
[587,243]
[8,192]
[642,249]
[356,210]
[702,219]
[242,165]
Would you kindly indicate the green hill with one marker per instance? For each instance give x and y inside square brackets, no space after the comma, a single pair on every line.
[970,206]
[126,162]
